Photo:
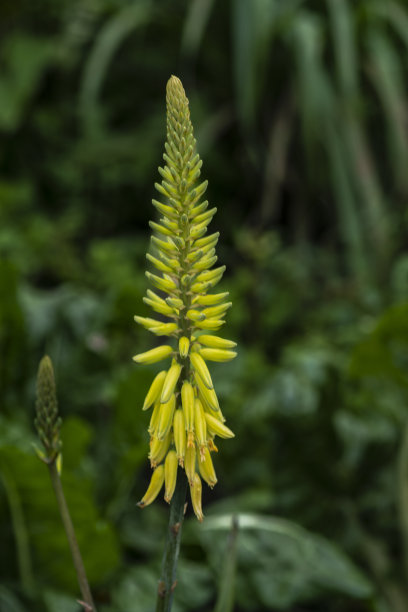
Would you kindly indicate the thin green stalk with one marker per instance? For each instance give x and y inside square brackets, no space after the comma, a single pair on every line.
[20,531]
[73,544]
[167,581]
[403,494]
[226,592]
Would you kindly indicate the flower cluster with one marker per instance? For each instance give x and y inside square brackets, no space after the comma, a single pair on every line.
[47,421]
[186,415]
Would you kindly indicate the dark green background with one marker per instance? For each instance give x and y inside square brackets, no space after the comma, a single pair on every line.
[300,112]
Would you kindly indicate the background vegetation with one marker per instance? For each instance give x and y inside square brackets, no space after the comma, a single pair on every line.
[300,110]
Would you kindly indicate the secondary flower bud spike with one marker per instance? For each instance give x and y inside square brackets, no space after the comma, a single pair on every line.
[186,415]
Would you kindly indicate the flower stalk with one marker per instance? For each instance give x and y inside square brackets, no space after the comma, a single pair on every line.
[48,425]
[186,414]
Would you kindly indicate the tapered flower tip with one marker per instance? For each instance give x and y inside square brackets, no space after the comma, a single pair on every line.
[46,381]
[175,86]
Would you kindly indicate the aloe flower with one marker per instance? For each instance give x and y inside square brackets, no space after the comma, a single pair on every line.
[186,415]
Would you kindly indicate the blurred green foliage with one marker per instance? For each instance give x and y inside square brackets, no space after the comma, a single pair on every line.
[300,109]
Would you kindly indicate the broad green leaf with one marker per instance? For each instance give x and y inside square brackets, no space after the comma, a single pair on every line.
[281,563]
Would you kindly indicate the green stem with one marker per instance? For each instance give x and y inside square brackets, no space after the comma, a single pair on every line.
[172,548]
[73,544]
[20,531]
[403,494]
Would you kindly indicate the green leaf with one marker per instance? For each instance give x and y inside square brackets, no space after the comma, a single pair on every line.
[198,15]
[9,602]
[384,353]
[106,45]
[388,79]
[26,59]
[49,546]
[76,435]
[281,563]
[63,603]
[344,48]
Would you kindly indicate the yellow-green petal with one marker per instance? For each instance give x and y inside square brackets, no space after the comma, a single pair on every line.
[154,355]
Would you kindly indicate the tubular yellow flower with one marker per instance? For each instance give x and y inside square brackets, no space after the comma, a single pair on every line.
[202,370]
[184,345]
[196,492]
[208,396]
[210,299]
[216,427]
[155,390]
[170,382]
[166,418]
[190,462]
[154,487]
[170,474]
[179,430]
[186,414]
[187,402]
[158,449]
[200,425]
[154,419]
[216,342]
[213,354]
[157,354]
[206,469]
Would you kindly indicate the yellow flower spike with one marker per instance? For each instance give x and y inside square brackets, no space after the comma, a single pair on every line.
[170,474]
[166,418]
[217,427]
[155,390]
[156,483]
[179,430]
[200,426]
[200,367]
[187,402]
[190,462]
[213,354]
[157,354]
[158,449]
[182,257]
[170,382]
[216,342]
[196,493]
[206,469]
[184,346]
